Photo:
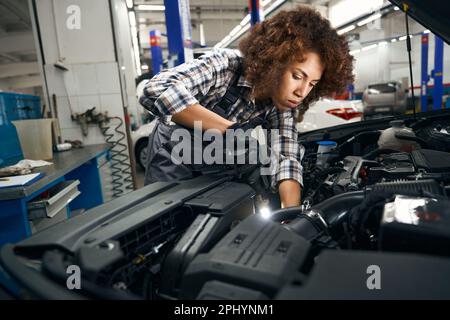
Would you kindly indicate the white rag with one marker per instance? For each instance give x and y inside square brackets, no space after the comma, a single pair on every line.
[27,163]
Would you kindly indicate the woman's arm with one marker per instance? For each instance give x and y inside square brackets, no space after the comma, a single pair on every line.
[209,119]
[287,155]
[290,193]
[173,90]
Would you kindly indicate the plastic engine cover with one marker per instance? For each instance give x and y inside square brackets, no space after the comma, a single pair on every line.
[257,254]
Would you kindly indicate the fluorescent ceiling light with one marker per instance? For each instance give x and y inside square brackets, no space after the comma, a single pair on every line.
[396,8]
[355,51]
[243,30]
[369,47]
[132,18]
[339,13]
[394,40]
[274,5]
[245,20]
[130,4]
[245,25]
[144,67]
[226,41]
[151,7]
[235,30]
[402,38]
[426,31]
[133,31]
[346,29]
[369,19]
[382,43]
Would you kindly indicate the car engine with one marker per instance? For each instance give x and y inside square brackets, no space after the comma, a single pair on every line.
[364,207]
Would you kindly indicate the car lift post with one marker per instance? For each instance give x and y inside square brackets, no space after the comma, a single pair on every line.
[256,14]
[425,77]
[155,45]
[437,73]
[178,24]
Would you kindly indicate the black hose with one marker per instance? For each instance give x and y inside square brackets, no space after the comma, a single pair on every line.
[409,137]
[330,215]
[284,214]
[334,208]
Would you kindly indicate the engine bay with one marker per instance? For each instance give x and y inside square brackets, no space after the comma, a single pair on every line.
[365,203]
[373,156]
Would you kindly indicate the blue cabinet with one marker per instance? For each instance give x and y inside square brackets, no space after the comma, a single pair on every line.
[15,106]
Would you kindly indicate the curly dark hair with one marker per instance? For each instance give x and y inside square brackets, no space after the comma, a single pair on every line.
[273,44]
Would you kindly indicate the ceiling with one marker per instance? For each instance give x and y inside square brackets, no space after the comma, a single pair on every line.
[18,60]
[218,17]
[15,26]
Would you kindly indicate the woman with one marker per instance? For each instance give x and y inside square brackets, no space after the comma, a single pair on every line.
[284,64]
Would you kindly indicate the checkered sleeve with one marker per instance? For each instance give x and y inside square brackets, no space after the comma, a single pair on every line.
[171,91]
[287,153]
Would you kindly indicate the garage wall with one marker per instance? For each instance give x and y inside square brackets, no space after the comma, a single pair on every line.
[384,63]
[88,52]
[390,61]
[126,58]
[92,79]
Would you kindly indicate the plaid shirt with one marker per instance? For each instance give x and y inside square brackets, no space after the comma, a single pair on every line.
[205,81]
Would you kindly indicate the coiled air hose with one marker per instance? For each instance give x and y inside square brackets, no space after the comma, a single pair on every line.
[120,164]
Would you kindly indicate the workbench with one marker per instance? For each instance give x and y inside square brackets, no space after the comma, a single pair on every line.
[76,164]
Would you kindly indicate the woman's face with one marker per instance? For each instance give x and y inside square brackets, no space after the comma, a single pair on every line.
[297,81]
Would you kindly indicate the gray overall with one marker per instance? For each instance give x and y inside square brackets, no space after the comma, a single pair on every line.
[159,163]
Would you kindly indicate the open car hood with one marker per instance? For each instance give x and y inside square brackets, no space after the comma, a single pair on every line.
[433,14]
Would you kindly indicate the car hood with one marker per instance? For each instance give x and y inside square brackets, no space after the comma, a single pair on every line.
[433,14]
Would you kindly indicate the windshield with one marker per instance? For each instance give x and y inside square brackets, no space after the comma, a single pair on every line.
[381,88]
[376,32]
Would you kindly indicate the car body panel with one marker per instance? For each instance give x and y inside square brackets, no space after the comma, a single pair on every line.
[317,117]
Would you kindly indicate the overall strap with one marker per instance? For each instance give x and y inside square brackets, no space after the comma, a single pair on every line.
[223,107]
